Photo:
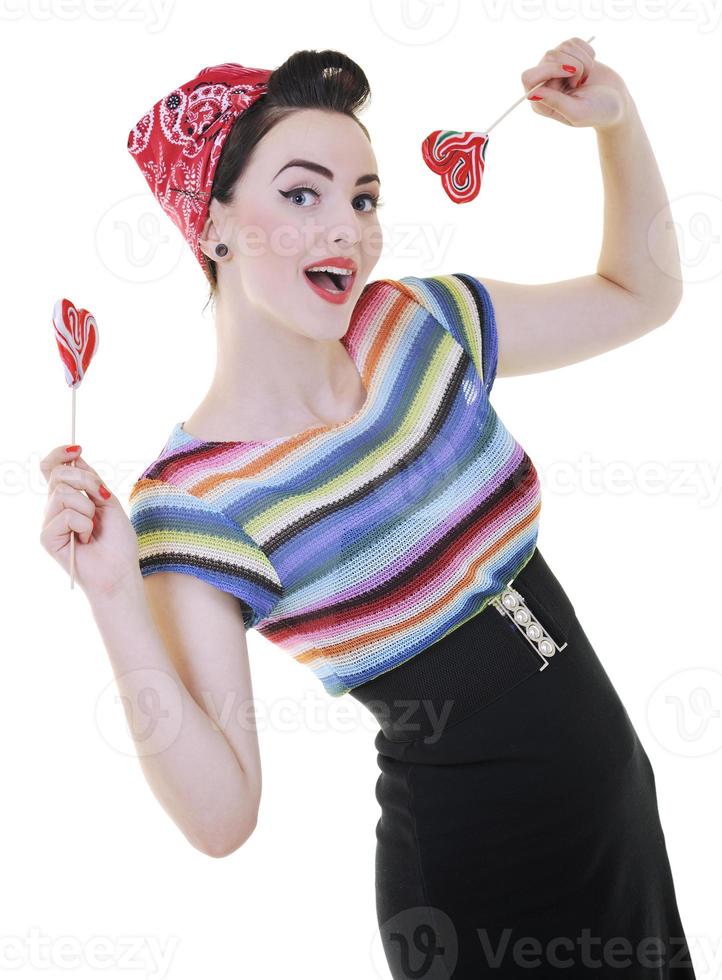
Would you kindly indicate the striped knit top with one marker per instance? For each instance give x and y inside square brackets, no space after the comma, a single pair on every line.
[355,546]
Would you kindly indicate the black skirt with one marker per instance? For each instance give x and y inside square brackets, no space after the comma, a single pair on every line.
[519,833]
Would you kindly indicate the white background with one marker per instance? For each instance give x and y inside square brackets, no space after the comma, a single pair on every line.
[626,445]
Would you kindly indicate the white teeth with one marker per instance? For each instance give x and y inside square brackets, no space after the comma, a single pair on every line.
[330,268]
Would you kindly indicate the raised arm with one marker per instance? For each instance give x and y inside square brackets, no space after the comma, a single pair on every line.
[638,282]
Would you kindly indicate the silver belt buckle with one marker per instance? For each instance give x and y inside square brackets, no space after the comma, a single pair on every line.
[511,603]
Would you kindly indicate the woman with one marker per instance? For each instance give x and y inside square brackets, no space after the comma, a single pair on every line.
[347,489]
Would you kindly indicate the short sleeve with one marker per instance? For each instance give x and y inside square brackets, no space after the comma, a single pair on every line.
[462,305]
[179,532]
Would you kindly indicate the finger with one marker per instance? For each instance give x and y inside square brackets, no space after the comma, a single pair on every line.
[584,45]
[57,455]
[544,110]
[81,479]
[546,70]
[56,532]
[586,58]
[580,49]
[549,100]
[64,496]
[77,460]
[567,107]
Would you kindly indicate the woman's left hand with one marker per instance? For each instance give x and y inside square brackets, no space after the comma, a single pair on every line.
[591,95]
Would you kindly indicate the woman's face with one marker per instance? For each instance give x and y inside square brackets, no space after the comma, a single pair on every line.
[284,219]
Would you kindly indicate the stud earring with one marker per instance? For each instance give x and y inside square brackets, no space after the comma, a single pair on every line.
[221,249]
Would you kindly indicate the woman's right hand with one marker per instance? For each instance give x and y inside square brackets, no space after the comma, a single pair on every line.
[106,546]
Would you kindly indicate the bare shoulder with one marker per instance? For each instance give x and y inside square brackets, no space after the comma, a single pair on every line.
[186,600]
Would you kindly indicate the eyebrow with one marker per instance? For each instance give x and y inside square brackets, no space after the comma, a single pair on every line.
[324,171]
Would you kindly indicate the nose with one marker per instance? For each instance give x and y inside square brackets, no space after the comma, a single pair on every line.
[346,225]
[345,236]
[347,240]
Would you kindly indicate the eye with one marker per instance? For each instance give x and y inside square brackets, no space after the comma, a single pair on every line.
[375,200]
[295,192]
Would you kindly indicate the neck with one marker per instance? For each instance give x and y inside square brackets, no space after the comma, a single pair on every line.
[269,378]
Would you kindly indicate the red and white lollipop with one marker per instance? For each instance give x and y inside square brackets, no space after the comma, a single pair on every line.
[76,334]
[458,158]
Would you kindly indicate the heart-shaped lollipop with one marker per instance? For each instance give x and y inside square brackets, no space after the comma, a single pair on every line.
[76,334]
[458,158]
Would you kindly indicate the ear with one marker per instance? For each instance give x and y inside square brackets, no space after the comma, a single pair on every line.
[208,238]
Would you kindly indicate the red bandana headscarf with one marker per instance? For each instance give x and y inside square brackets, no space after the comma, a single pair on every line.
[177,143]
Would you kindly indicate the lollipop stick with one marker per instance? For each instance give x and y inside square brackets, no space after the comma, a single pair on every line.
[524,96]
[76,337]
[72,533]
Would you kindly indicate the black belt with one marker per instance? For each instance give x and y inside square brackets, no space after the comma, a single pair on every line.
[516,634]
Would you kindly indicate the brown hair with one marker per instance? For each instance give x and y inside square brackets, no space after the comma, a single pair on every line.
[307,80]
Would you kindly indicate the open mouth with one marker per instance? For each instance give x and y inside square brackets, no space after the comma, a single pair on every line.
[332,282]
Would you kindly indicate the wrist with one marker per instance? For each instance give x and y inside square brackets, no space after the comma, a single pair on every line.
[127,589]
[627,119]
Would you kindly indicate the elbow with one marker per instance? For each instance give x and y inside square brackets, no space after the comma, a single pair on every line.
[664,305]
[657,310]
[674,300]
[219,845]
[221,849]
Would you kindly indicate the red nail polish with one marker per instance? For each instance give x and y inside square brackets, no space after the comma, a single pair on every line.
[570,68]
[104,492]
[533,98]
[72,449]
